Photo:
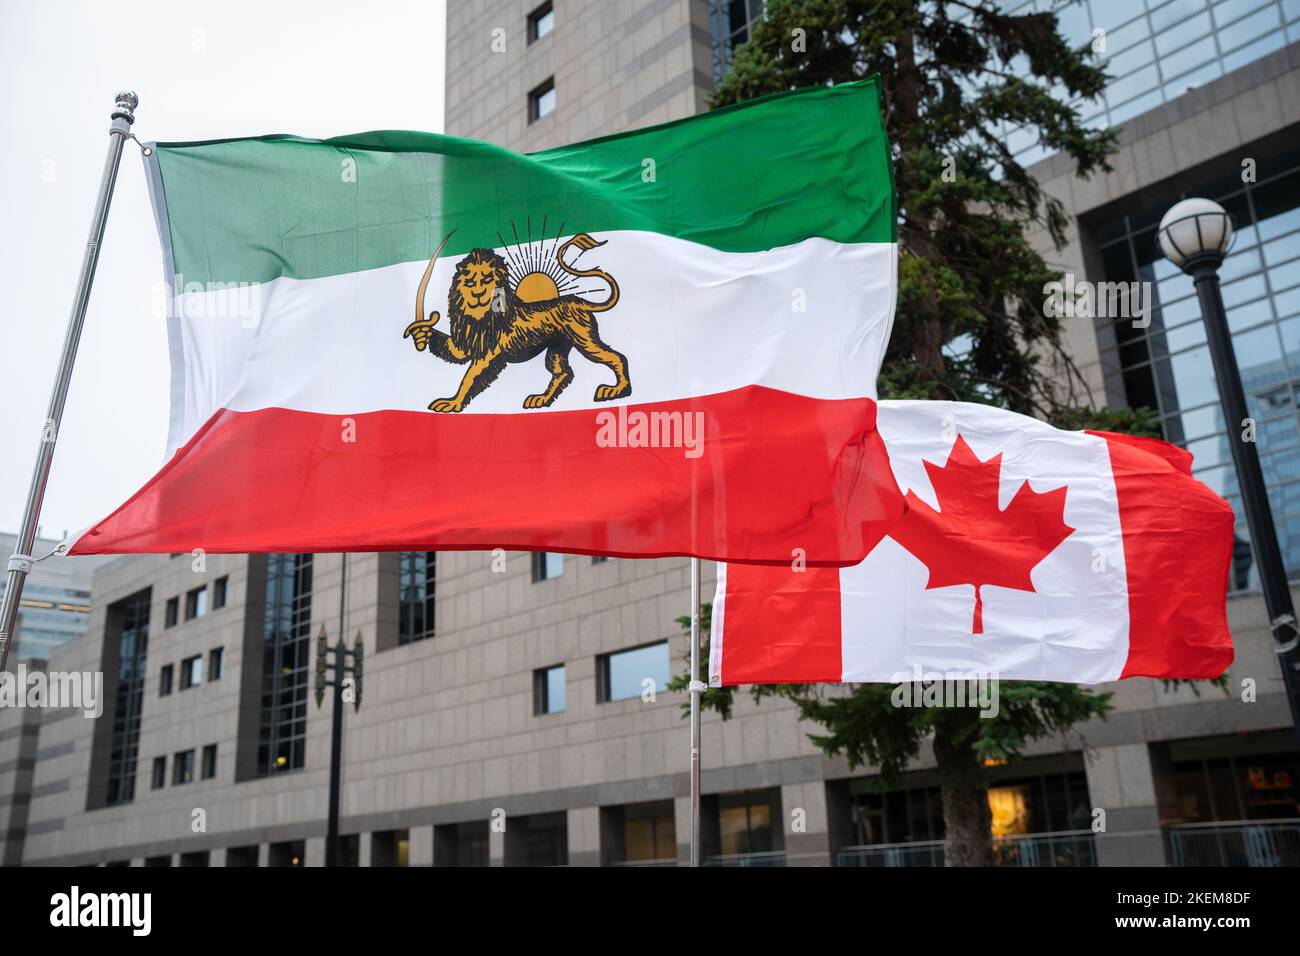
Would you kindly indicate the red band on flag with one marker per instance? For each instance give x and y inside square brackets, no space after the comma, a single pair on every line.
[276,480]
[1178,545]
[783,626]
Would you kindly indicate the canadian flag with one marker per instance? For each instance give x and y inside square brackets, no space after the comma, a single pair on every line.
[1027,552]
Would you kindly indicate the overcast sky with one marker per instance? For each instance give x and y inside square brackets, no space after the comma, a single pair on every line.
[202,70]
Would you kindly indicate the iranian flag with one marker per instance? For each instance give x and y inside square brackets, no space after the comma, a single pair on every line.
[663,342]
[1026,552]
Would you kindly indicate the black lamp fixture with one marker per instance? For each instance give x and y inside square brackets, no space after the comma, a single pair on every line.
[1196,235]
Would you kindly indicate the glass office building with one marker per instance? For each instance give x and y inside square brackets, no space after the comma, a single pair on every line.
[1166,366]
[1156,51]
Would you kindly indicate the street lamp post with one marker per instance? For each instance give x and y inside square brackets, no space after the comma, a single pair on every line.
[1195,235]
[342,673]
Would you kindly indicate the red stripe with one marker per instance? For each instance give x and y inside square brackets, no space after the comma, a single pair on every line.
[1177,552]
[781,626]
[778,471]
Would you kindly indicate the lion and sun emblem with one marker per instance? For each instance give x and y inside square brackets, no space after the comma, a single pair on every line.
[513,307]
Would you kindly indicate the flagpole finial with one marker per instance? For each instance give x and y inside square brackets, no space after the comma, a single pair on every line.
[124,106]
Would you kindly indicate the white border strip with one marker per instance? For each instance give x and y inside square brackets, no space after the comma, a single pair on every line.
[175,345]
[715,628]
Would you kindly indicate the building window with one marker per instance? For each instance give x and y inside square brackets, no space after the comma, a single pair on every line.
[196,603]
[286,659]
[165,680]
[219,588]
[287,854]
[173,612]
[745,822]
[243,855]
[1051,802]
[1230,779]
[1166,364]
[132,615]
[547,565]
[192,672]
[350,849]
[390,848]
[541,101]
[209,768]
[183,768]
[599,558]
[416,617]
[538,840]
[731,24]
[649,832]
[216,660]
[541,22]
[461,844]
[627,674]
[548,690]
[159,773]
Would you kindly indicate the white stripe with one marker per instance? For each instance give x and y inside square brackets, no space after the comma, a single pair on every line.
[716,627]
[691,320]
[1072,627]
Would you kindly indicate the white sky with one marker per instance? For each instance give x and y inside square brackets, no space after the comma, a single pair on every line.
[203,70]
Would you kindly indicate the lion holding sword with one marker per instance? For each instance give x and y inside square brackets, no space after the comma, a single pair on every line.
[492,324]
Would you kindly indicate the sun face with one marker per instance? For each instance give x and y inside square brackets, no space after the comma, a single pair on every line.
[541,278]
[537,287]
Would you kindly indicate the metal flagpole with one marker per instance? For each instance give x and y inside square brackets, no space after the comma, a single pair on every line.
[20,563]
[696,687]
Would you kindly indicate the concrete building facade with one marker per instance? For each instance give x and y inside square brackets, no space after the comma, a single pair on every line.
[513,709]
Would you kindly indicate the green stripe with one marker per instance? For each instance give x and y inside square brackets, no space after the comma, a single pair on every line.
[754,176]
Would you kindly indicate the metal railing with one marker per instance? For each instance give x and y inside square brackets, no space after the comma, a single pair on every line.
[1244,843]
[768,858]
[1066,848]
[664,861]
[920,853]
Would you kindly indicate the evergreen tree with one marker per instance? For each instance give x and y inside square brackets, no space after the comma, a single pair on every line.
[956,78]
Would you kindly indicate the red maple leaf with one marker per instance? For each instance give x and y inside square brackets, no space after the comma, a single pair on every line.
[969,540]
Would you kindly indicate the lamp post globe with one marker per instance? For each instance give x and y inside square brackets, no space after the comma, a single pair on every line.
[1195,232]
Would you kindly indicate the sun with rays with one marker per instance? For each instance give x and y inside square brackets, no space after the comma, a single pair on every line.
[533,261]
[513,306]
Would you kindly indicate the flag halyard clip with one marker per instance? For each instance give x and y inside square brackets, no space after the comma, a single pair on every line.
[147,150]
[23,562]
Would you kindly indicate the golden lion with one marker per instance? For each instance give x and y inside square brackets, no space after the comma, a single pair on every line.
[492,325]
